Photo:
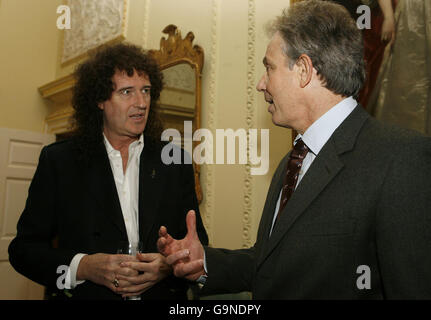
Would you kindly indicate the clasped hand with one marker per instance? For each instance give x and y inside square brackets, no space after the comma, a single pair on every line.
[134,275]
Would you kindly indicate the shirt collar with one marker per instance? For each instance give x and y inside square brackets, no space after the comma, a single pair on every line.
[110,148]
[322,129]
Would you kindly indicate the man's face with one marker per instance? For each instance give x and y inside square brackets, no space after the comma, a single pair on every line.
[280,86]
[125,114]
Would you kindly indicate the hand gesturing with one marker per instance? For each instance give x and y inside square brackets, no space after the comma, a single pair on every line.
[186,256]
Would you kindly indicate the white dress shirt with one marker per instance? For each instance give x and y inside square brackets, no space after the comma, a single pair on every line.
[127,185]
[317,135]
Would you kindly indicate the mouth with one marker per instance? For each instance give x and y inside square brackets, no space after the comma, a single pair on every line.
[138,116]
[268,98]
[270,102]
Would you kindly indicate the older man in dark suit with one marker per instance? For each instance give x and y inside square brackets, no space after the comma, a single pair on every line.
[104,186]
[348,211]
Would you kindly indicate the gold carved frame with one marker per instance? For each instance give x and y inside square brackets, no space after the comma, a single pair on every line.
[173,51]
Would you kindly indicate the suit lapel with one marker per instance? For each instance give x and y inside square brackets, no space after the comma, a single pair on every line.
[323,169]
[102,186]
[270,204]
[271,201]
[151,177]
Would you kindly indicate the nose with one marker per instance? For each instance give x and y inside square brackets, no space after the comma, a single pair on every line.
[141,99]
[261,85]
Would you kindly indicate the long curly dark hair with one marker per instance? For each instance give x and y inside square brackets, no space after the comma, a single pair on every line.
[94,85]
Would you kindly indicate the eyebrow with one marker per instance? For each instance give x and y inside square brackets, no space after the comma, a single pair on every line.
[130,87]
[124,88]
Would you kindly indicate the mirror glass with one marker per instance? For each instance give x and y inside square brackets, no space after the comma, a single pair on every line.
[178,97]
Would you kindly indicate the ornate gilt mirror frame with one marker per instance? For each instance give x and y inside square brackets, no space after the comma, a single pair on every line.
[174,51]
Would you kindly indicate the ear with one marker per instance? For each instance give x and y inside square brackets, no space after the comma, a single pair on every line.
[305,70]
[101,106]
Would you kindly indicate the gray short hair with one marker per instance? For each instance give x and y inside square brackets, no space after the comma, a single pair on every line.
[326,33]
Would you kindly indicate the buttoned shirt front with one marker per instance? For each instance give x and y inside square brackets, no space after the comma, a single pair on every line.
[127,183]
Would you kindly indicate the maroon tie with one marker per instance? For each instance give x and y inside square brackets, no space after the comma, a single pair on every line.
[294,165]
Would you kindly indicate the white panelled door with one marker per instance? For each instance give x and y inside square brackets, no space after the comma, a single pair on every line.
[19,155]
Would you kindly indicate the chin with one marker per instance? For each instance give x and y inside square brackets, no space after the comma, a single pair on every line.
[139,129]
[280,123]
[275,120]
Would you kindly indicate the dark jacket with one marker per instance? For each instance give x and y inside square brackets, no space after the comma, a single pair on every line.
[364,201]
[75,204]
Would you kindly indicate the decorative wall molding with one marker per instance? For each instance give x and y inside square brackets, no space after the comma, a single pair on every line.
[250,121]
[145,31]
[211,107]
[59,92]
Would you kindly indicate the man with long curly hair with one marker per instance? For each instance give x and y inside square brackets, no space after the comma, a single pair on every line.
[104,186]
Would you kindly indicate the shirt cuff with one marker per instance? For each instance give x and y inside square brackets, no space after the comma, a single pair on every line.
[70,281]
[203,278]
[205,263]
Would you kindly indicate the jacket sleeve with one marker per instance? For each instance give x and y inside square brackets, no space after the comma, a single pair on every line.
[31,252]
[229,271]
[233,271]
[403,224]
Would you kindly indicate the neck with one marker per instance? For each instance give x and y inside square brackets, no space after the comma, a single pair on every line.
[120,143]
[318,105]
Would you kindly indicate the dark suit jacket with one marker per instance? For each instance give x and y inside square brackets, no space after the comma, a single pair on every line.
[77,203]
[365,200]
